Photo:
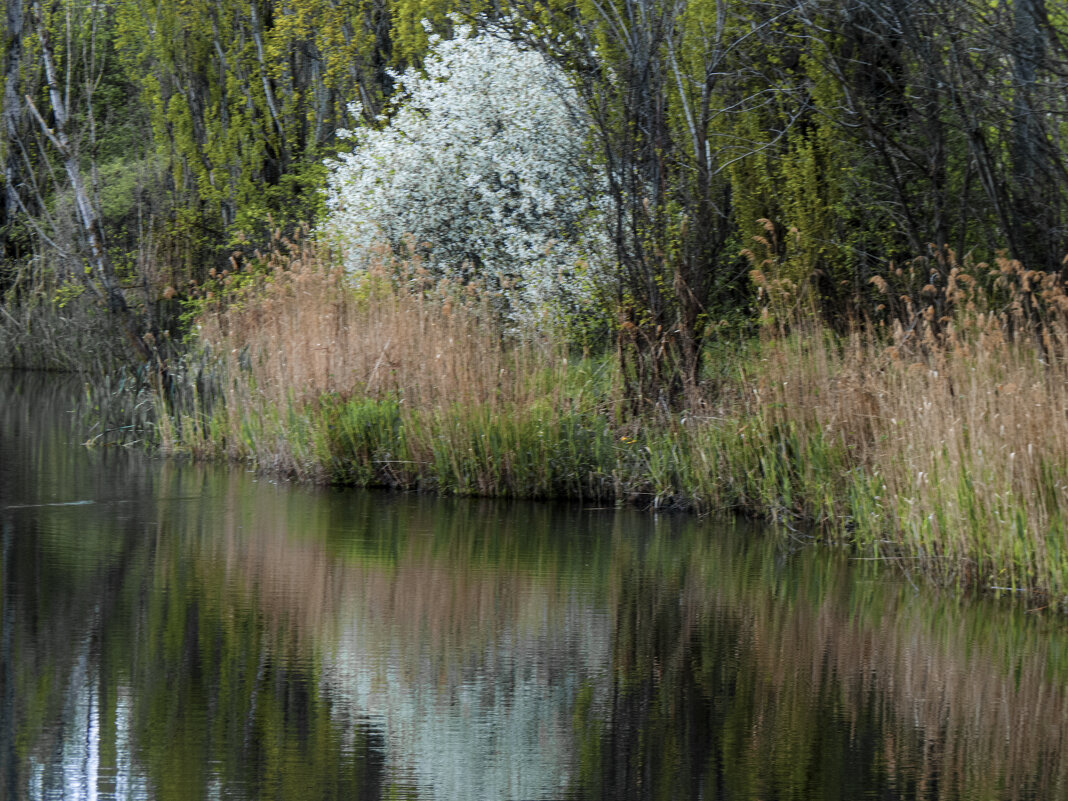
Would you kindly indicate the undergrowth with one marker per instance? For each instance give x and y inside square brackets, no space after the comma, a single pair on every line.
[47,324]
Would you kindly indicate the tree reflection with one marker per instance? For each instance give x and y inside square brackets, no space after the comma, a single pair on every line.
[193,633]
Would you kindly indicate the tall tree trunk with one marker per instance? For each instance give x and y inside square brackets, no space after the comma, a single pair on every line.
[1031,229]
[107,286]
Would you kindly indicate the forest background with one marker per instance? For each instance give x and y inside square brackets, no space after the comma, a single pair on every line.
[835,235]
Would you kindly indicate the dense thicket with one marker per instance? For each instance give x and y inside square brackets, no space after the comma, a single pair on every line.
[821,141]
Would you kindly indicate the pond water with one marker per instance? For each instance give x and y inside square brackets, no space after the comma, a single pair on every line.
[177,631]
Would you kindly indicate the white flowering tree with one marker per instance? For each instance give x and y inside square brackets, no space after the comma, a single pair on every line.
[483,166]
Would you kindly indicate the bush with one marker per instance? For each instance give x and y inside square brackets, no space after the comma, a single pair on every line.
[483,169]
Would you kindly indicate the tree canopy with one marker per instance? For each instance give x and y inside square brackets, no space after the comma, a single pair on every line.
[821,141]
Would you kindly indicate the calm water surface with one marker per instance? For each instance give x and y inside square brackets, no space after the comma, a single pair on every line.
[172,631]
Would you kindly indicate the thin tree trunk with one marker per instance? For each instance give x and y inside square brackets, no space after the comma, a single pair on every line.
[9,118]
[1028,54]
[9,772]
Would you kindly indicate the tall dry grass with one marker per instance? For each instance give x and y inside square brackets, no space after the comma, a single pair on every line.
[953,423]
[302,328]
[304,354]
[937,438]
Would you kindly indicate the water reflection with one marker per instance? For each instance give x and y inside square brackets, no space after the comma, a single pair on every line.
[189,632]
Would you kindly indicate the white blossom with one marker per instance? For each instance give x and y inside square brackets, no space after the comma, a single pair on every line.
[483,164]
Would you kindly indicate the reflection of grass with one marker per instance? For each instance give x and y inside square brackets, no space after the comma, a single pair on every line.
[941,443]
[448,573]
[973,702]
[772,674]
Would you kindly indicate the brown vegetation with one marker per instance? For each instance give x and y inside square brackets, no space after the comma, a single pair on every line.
[300,328]
[934,435]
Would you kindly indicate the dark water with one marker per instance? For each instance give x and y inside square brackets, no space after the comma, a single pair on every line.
[172,631]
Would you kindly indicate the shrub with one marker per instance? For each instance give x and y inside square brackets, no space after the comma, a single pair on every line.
[483,169]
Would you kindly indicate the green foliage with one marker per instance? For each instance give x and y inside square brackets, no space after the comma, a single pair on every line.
[870,145]
[244,99]
[67,292]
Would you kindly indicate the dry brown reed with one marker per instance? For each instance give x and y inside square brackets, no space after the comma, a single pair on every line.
[958,416]
[300,327]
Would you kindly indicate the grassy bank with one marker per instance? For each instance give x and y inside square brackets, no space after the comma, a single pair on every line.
[939,440]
